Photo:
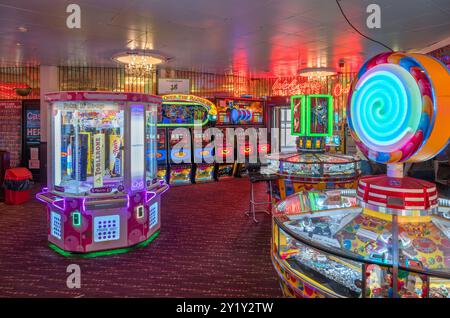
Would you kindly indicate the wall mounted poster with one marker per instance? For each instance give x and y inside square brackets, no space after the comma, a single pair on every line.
[31,123]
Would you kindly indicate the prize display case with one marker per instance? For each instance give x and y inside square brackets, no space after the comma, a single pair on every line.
[307,171]
[391,236]
[103,192]
[326,245]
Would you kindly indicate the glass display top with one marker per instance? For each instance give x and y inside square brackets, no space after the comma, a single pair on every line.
[311,157]
[314,165]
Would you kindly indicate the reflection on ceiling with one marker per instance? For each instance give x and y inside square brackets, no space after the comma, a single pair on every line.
[249,37]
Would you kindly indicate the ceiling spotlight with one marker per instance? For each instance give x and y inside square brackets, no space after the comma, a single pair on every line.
[22,29]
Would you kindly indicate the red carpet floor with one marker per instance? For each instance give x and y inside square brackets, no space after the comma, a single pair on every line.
[206,248]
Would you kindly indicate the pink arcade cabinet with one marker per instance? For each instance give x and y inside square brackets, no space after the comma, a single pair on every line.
[103,195]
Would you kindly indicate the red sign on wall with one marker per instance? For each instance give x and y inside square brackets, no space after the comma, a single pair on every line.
[339,89]
[289,87]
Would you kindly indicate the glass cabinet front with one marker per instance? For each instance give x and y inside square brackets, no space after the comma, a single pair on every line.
[334,274]
[88,146]
[103,147]
[348,251]
[137,146]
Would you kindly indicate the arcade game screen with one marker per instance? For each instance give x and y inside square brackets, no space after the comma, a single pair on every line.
[180,147]
[161,148]
[180,157]
[239,112]
[182,113]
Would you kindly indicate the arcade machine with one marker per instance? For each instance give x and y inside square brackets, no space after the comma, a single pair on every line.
[180,168]
[391,236]
[102,193]
[190,153]
[241,113]
[225,167]
[203,156]
[311,167]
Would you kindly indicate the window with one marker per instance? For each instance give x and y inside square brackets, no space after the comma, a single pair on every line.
[282,120]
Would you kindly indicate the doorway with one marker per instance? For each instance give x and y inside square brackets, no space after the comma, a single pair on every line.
[281,119]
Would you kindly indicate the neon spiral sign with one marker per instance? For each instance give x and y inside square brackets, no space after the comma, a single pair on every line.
[393,107]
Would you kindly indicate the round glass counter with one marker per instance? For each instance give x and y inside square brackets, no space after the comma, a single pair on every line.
[312,170]
[326,245]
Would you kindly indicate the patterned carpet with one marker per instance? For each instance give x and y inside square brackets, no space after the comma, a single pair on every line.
[206,248]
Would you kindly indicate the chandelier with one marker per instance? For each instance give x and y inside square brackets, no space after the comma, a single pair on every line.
[139,63]
[317,73]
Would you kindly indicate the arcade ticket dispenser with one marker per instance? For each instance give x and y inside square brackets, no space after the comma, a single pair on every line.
[103,193]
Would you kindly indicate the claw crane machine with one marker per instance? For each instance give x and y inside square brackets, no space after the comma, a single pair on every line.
[103,194]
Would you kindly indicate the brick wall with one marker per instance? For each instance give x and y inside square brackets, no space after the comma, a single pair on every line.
[11,130]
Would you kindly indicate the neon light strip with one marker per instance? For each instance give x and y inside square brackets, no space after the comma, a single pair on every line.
[39,199]
[302,115]
[386,108]
[63,208]
[103,253]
